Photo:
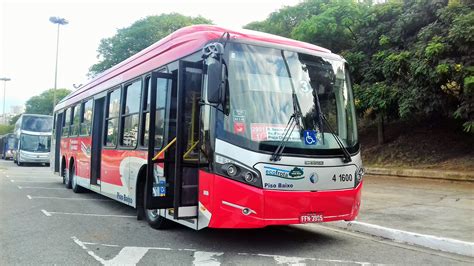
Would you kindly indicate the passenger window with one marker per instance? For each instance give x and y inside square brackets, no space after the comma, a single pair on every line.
[130,114]
[67,122]
[86,119]
[112,118]
[76,120]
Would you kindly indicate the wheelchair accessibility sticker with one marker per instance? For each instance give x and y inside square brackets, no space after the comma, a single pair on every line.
[310,137]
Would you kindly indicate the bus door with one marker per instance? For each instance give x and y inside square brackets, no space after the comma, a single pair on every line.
[97,139]
[57,140]
[179,190]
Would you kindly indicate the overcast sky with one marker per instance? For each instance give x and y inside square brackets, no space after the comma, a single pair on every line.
[28,39]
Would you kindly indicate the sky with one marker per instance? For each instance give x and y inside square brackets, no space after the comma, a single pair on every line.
[28,38]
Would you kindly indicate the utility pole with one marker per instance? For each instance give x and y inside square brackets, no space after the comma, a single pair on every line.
[59,21]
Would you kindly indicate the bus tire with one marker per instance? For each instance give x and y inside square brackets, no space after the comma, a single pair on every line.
[154,219]
[67,180]
[75,187]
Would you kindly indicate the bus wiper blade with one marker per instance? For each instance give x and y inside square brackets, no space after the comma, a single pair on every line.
[290,126]
[347,155]
[294,118]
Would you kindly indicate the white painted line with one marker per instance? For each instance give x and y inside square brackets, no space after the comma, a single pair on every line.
[130,255]
[433,242]
[93,214]
[46,213]
[35,181]
[206,258]
[60,198]
[28,196]
[21,187]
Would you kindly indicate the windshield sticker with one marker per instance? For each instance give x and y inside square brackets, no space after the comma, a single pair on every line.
[305,87]
[310,137]
[272,132]
[239,128]
[296,173]
[239,115]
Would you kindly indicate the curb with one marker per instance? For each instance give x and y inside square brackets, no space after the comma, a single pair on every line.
[434,174]
[433,242]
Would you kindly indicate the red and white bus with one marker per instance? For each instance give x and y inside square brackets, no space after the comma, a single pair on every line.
[212,127]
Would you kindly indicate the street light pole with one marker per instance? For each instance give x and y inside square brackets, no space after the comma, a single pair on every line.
[59,21]
[4,97]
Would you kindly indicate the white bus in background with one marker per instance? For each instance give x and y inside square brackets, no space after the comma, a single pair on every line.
[33,136]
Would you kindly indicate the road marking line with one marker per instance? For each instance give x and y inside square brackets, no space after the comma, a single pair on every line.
[206,258]
[46,213]
[28,196]
[93,214]
[433,242]
[132,255]
[33,181]
[59,198]
[21,187]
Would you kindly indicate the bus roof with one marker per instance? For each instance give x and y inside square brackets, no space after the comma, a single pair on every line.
[183,42]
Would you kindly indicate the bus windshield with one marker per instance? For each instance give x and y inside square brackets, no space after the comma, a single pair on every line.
[37,123]
[35,143]
[260,98]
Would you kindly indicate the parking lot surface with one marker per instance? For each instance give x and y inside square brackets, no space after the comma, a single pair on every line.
[42,222]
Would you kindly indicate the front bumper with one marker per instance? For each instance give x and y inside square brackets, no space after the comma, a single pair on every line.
[236,205]
[24,157]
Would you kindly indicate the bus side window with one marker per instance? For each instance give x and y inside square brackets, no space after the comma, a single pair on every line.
[112,118]
[86,118]
[66,123]
[76,113]
[130,114]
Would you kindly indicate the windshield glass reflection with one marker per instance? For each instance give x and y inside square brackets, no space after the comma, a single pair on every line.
[260,99]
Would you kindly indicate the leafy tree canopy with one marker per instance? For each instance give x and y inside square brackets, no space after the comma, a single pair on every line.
[43,103]
[408,58]
[141,34]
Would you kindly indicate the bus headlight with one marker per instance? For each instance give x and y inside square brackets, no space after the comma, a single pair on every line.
[237,171]
[359,174]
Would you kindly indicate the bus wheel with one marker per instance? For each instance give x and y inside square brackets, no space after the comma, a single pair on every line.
[73,180]
[154,219]
[67,179]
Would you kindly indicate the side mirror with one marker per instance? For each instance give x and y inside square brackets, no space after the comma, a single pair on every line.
[214,82]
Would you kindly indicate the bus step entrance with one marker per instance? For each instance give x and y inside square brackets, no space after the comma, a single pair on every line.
[185,212]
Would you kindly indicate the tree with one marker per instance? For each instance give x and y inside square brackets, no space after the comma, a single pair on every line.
[43,103]
[141,34]
[14,119]
[408,58]
[5,129]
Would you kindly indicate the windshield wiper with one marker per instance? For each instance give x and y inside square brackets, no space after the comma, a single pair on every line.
[321,120]
[294,118]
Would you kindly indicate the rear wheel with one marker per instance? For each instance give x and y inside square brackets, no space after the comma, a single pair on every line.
[67,179]
[73,180]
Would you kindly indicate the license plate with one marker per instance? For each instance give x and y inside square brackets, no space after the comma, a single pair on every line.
[311,218]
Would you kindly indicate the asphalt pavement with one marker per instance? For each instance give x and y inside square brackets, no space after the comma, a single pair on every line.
[426,206]
[41,222]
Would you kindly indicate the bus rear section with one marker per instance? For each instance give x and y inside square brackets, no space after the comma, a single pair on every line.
[8,145]
[242,131]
